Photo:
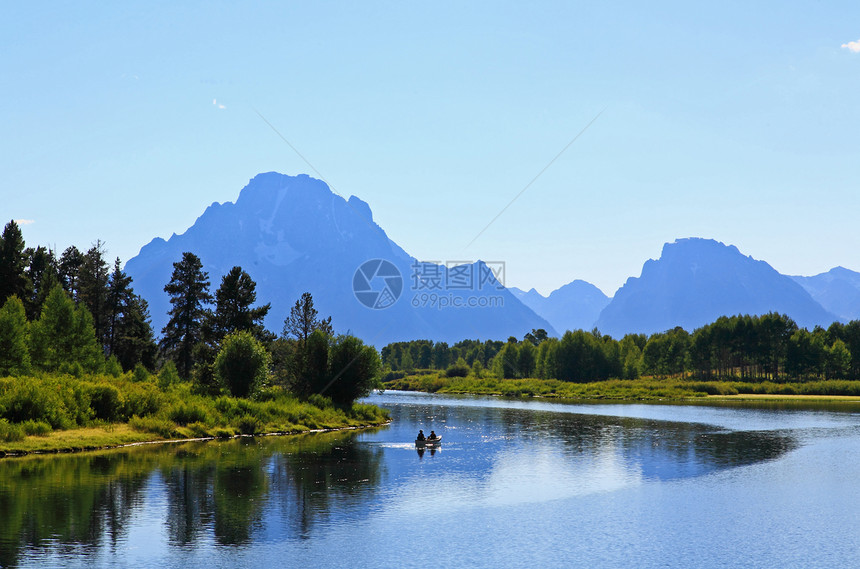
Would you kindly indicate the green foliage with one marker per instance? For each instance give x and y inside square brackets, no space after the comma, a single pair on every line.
[189,294]
[458,369]
[10,432]
[105,401]
[185,413]
[14,337]
[233,308]
[353,368]
[161,427]
[64,335]
[13,261]
[113,367]
[140,373]
[248,425]
[168,375]
[242,364]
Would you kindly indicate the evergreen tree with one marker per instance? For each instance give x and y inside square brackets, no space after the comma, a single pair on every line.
[69,269]
[233,308]
[303,320]
[119,296]
[133,340]
[13,261]
[63,336]
[43,276]
[14,337]
[93,280]
[189,294]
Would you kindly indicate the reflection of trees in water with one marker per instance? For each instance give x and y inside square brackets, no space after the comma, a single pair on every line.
[318,480]
[663,449]
[76,502]
[71,503]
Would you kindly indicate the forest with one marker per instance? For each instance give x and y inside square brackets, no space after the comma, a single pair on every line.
[77,349]
[747,348]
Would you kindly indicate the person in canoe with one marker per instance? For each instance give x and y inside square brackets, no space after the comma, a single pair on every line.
[420,436]
[432,436]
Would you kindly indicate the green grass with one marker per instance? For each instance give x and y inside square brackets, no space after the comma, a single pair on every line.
[63,413]
[643,389]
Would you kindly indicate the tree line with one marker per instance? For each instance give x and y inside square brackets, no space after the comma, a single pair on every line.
[769,347]
[75,315]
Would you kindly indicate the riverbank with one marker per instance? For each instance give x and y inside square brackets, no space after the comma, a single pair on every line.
[643,389]
[55,413]
[122,435]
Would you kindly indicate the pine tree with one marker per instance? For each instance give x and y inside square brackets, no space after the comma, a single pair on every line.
[13,261]
[14,337]
[43,275]
[233,308]
[189,294]
[69,269]
[63,336]
[303,320]
[93,288]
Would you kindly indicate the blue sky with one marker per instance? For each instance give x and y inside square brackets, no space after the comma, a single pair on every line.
[735,121]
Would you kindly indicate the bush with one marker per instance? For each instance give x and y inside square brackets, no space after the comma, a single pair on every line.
[459,369]
[249,425]
[185,413]
[105,402]
[168,375]
[9,432]
[142,399]
[161,427]
[198,430]
[140,373]
[36,428]
[242,363]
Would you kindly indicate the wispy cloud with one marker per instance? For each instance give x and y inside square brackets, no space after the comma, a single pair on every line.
[24,221]
[217,104]
[852,46]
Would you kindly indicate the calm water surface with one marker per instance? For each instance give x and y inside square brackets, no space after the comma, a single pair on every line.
[515,484]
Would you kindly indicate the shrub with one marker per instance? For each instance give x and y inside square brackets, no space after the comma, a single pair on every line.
[161,427]
[242,363]
[36,428]
[458,369]
[248,425]
[168,375]
[142,399]
[9,432]
[198,429]
[105,402]
[140,373]
[185,413]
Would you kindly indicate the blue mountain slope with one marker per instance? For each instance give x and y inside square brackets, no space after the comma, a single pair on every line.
[697,280]
[837,290]
[573,306]
[292,234]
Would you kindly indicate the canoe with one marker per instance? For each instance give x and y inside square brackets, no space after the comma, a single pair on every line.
[428,442]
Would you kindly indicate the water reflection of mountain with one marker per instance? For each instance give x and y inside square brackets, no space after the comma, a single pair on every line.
[233,491]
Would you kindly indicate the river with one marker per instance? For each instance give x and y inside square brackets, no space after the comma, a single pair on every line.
[526,483]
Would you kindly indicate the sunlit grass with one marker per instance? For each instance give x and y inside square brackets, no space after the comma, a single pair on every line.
[643,389]
[62,413]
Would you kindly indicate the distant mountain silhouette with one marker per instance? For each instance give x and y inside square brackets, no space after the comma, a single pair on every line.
[837,290]
[695,281]
[574,306]
[292,234]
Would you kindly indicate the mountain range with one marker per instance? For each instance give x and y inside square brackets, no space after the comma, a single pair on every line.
[292,234]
